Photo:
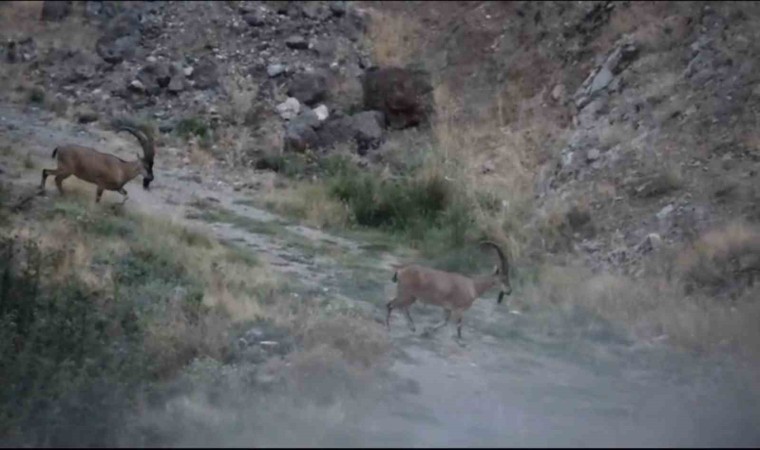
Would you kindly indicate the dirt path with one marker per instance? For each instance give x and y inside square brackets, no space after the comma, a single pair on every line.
[509,385]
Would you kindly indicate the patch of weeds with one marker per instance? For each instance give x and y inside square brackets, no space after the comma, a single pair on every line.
[426,211]
[29,162]
[36,95]
[239,255]
[192,127]
[213,213]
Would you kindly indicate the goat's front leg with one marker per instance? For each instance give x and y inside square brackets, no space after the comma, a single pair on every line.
[409,319]
[123,192]
[98,194]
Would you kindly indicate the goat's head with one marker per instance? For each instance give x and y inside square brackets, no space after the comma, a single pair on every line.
[501,271]
[149,151]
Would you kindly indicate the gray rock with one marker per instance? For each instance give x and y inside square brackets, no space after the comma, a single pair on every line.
[275,69]
[137,86]
[255,18]
[309,118]
[315,11]
[592,155]
[308,88]
[299,136]
[206,74]
[665,212]
[155,77]
[325,47]
[652,241]
[297,42]
[120,39]
[55,10]
[322,112]
[338,8]
[368,129]
[87,115]
[289,108]
[335,131]
[176,85]
[601,80]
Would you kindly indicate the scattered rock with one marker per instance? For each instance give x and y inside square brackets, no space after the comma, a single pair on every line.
[322,112]
[307,117]
[308,88]
[255,18]
[315,11]
[55,10]
[652,241]
[488,167]
[275,69]
[289,108]
[368,129]
[665,212]
[592,155]
[120,39]
[338,8]
[601,80]
[403,95]
[137,86]
[297,42]
[87,115]
[558,93]
[205,74]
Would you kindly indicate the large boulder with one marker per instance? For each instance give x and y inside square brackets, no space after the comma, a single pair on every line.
[309,88]
[55,11]
[405,96]
[366,129]
[301,132]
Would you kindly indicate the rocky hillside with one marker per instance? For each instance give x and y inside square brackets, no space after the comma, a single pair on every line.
[619,128]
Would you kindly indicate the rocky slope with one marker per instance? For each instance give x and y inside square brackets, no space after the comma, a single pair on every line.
[638,119]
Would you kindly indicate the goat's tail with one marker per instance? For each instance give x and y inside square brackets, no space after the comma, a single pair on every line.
[54,152]
[395,277]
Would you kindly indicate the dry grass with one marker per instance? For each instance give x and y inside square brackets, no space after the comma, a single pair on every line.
[727,257]
[653,309]
[395,39]
[310,202]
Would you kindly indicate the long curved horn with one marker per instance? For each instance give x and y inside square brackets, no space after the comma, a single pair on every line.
[145,142]
[502,257]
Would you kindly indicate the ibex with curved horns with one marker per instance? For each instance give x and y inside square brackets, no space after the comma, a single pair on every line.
[454,292]
[106,171]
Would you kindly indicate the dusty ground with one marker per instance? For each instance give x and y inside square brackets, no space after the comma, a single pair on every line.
[510,384]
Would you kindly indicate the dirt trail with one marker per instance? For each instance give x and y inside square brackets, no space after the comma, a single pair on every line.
[509,385]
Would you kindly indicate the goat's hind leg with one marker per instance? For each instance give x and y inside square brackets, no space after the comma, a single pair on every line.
[59,177]
[409,318]
[428,331]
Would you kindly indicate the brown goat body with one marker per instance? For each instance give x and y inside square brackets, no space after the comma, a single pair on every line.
[454,292]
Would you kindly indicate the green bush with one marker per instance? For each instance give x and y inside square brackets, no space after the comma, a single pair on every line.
[67,357]
[192,126]
[59,365]
[424,210]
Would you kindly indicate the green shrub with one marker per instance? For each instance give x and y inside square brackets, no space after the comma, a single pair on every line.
[192,126]
[424,210]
